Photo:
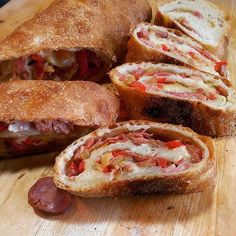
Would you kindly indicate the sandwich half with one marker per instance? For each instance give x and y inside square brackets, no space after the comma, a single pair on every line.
[41,116]
[175,94]
[136,157]
[71,40]
[199,19]
[159,44]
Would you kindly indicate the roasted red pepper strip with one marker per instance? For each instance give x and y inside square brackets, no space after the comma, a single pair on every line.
[162,162]
[174,144]
[219,65]
[138,86]
[75,169]
[72,169]
[165,48]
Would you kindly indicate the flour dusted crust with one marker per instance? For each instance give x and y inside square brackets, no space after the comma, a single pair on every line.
[197,178]
[81,103]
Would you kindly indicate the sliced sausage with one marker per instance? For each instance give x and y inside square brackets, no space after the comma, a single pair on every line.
[45,196]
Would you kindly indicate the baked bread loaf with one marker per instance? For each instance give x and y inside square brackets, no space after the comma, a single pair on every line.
[40,116]
[175,94]
[159,44]
[71,40]
[136,157]
[199,19]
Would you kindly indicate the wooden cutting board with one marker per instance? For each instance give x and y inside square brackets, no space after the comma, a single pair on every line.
[207,213]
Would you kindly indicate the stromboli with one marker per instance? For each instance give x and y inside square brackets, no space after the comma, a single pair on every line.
[175,94]
[70,40]
[200,19]
[136,157]
[40,116]
[159,44]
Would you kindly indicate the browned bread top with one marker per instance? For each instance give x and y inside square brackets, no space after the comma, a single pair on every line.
[81,103]
[77,24]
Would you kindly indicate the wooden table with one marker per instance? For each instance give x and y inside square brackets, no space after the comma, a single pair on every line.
[207,213]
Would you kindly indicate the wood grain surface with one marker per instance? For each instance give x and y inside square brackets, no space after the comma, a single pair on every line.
[200,214]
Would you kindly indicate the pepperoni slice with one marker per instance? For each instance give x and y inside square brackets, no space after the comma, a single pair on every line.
[45,196]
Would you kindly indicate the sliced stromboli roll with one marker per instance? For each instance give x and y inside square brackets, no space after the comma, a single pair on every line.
[199,19]
[136,157]
[159,44]
[71,40]
[175,94]
[40,116]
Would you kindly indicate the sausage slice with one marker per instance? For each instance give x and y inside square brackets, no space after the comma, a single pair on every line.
[45,196]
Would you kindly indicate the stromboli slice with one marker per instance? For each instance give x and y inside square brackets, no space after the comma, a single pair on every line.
[40,116]
[159,44]
[175,94]
[199,19]
[136,157]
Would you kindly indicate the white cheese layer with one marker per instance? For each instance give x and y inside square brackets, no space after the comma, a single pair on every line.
[173,155]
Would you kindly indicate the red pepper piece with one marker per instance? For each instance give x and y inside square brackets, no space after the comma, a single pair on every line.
[138,86]
[162,162]
[72,169]
[212,96]
[3,126]
[161,80]
[219,66]
[160,86]
[75,169]
[37,58]
[174,144]
[117,153]
[108,169]
[165,48]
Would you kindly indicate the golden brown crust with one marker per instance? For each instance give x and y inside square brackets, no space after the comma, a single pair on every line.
[199,179]
[200,117]
[81,103]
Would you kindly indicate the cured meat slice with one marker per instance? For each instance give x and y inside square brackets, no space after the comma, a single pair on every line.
[46,197]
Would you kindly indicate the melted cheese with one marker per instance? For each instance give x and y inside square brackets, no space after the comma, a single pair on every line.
[173,155]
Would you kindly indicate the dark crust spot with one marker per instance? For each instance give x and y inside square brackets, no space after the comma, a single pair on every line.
[2,21]
[169,110]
